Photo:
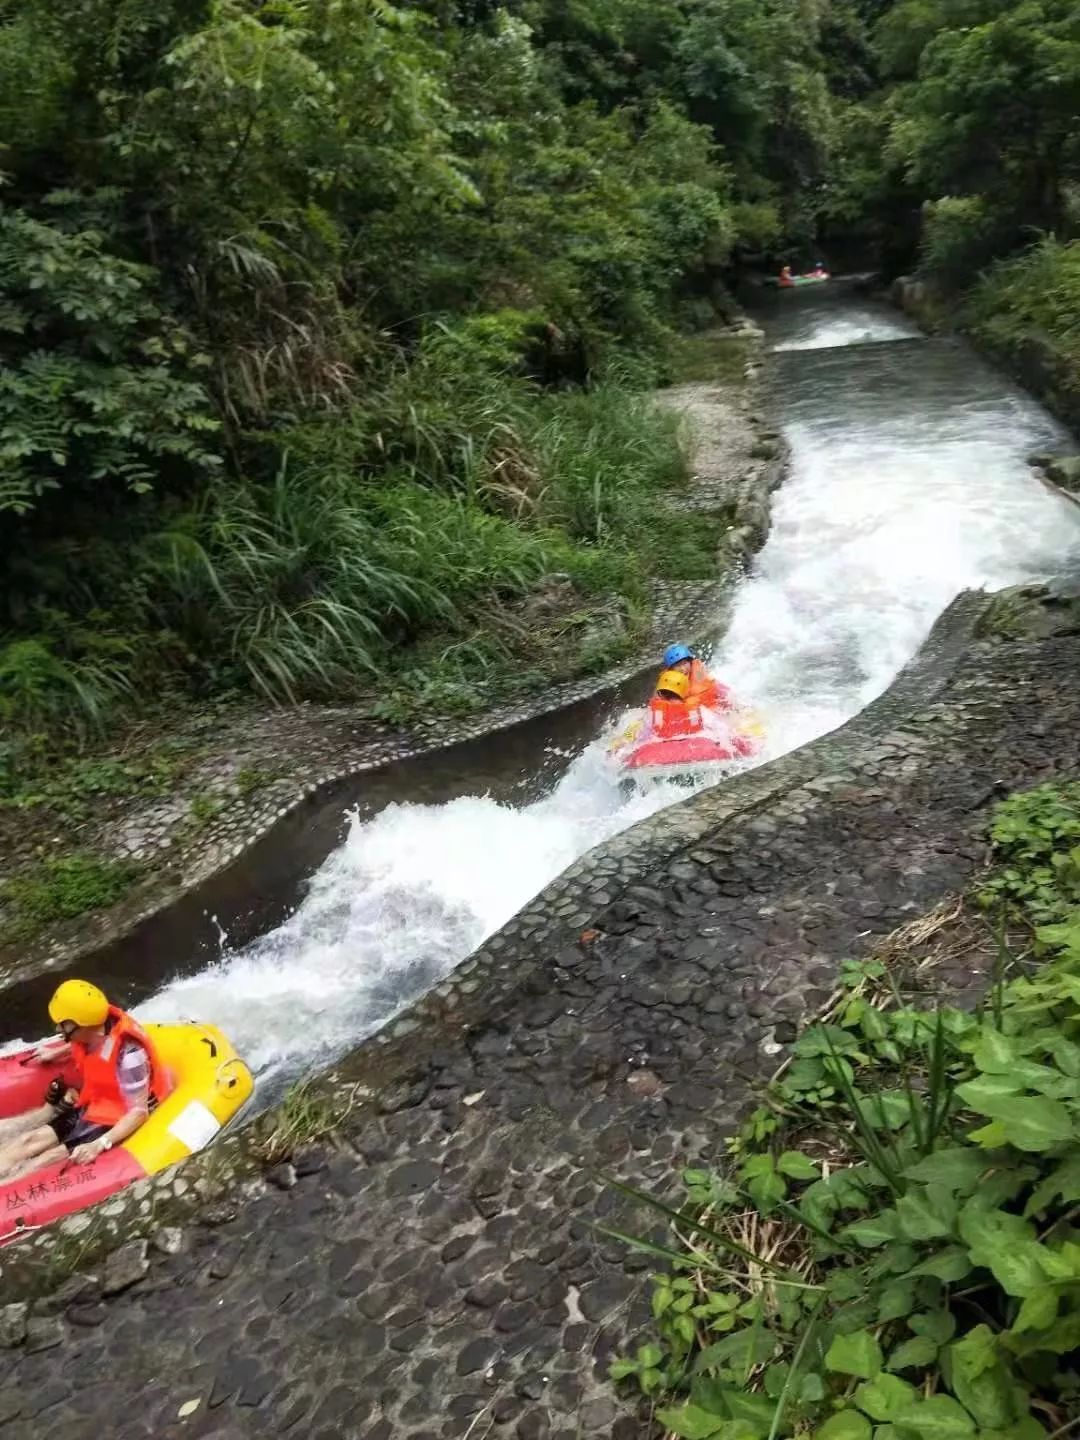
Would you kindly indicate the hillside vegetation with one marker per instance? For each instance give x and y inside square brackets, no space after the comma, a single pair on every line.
[324,324]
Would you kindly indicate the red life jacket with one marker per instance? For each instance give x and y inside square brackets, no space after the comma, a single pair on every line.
[100,1095]
[670,719]
[706,691]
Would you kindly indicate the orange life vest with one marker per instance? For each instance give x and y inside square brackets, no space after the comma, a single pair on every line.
[704,690]
[670,719]
[100,1095]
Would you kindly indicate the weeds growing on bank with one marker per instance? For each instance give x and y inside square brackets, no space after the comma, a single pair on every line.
[307,1113]
[61,889]
[892,1251]
[1033,300]
[359,558]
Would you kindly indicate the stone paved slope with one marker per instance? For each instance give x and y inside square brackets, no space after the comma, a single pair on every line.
[441,1279]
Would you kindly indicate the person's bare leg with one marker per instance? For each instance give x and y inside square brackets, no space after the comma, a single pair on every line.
[38,1162]
[16,1125]
[25,1152]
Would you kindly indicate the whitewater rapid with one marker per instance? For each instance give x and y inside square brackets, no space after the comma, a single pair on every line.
[896,502]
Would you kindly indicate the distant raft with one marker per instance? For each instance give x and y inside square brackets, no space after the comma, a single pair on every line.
[210,1084]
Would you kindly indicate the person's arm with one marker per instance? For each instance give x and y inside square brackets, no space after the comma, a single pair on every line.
[52,1052]
[719,697]
[125,1126]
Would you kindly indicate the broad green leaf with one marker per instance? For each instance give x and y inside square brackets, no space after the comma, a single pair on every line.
[883,1397]
[731,1402]
[913,1354]
[811,1389]
[758,1165]
[980,1381]
[1019,1270]
[896,1299]
[888,1108]
[1038,1311]
[662,1300]
[1026,1429]
[804,1074]
[1030,1122]
[858,1354]
[846,1425]
[927,1213]
[819,1204]
[990,1136]
[767,1190]
[690,1422]
[795,1164]
[823,1039]
[938,1418]
[986,1089]
[1006,1245]
[872,1024]
[936,1325]
[897,1258]
[1061,1337]
[1066,1054]
[956,1168]
[1063,1182]
[875,1230]
[974,1352]
[738,1351]
[845,1284]
[649,1356]
[994,1053]
[948,1265]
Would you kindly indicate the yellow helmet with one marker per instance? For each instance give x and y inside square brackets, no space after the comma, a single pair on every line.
[80,1003]
[675,682]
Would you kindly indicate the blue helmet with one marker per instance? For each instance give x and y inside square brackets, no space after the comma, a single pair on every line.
[674,653]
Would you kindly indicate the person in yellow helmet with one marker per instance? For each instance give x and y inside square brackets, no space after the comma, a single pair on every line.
[121,1082]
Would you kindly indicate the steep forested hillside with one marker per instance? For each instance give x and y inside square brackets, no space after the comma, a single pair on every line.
[322,322]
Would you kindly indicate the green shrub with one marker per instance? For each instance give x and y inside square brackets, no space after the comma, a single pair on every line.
[62,889]
[1033,295]
[41,689]
[959,238]
[98,391]
[894,1244]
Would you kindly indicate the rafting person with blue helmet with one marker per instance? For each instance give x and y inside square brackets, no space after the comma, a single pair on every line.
[704,691]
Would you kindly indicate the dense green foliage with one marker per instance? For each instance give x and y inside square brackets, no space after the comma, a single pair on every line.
[893,1253]
[288,292]
[292,293]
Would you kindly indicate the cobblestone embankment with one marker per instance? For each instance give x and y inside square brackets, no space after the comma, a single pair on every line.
[438,1276]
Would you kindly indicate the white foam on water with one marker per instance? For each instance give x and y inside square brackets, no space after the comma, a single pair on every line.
[856,326]
[887,515]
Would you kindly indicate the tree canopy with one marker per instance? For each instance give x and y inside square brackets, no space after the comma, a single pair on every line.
[357,240]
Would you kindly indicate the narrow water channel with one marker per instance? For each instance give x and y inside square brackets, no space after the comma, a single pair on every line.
[908,484]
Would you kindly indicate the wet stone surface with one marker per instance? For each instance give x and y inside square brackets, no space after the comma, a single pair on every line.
[441,1276]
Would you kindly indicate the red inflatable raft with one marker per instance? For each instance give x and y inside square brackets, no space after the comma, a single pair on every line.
[688,751]
[47,1194]
[210,1083]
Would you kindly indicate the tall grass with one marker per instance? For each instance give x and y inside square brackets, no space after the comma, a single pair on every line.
[403,522]
[608,453]
[302,586]
[1035,294]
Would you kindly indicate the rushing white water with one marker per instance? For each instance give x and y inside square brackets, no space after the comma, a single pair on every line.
[908,484]
[858,324]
